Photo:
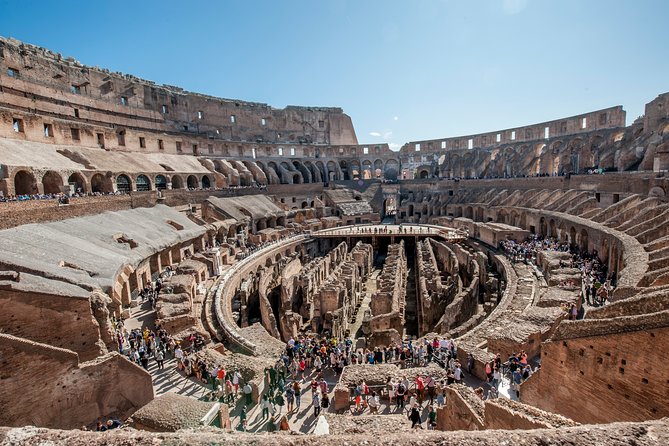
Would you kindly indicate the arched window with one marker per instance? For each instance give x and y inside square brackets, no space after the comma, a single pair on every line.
[161,182]
[123,183]
[143,183]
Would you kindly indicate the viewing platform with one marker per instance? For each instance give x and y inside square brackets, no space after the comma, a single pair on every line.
[381,230]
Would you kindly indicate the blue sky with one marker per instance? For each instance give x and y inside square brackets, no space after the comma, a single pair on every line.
[403,70]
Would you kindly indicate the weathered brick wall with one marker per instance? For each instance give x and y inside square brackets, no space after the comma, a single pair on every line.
[598,379]
[47,386]
[42,211]
[463,410]
[503,413]
[65,322]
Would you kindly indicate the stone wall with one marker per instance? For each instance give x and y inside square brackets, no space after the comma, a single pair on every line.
[651,433]
[598,371]
[48,386]
[503,413]
[388,302]
[463,410]
[64,321]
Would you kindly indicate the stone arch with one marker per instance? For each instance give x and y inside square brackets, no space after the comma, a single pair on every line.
[160,182]
[469,212]
[313,172]
[143,183]
[552,229]
[392,169]
[101,184]
[123,183]
[583,240]
[502,216]
[78,181]
[52,182]
[321,167]
[367,173]
[192,182]
[297,178]
[423,174]
[343,165]
[354,170]
[206,182]
[332,171]
[572,236]
[272,165]
[604,251]
[177,182]
[306,174]
[657,192]
[25,183]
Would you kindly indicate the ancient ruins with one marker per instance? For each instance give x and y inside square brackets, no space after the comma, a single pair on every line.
[522,274]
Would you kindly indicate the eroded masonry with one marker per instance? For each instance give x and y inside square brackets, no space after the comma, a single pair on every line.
[173,261]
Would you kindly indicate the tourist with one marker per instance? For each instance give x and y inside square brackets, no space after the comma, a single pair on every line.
[113,424]
[290,397]
[373,403]
[414,417]
[248,393]
[160,359]
[236,377]
[266,406]
[297,388]
[401,392]
[316,403]
[242,419]
[431,418]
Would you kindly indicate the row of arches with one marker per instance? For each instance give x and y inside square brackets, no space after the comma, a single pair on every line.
[545,157]
[247,173]
[52,182]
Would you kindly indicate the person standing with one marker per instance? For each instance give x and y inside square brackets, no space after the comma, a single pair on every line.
[414,416]
[316,402]
[247,393]
[160,359]
[298,394]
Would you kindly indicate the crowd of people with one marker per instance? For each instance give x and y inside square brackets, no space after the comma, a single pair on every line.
[597,284]
[61,197]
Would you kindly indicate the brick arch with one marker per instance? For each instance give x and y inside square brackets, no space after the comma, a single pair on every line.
[25,183]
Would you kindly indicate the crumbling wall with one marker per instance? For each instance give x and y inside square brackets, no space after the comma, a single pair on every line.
[598,371]
[463,410]
[503,413]
[47,386]
[388,302]
[65,321]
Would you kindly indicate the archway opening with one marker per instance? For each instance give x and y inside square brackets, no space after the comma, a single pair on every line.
[206,182]
[100,184]
[52,183]
[143,183]
[192,182]
[77,180]
[24,183]
[123,183]
[161,182]
[177,182]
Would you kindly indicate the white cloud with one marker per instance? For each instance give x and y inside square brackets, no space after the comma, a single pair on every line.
[395,118]
[376,134]
[514,6]
[394,146]
[387,135]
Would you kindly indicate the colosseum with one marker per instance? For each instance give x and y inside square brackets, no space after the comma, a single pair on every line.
[184,269]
